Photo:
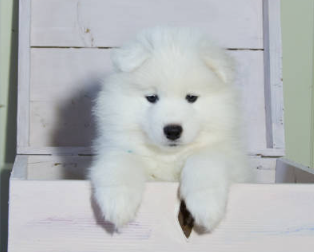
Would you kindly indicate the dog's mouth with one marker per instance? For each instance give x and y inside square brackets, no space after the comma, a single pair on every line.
[174,144]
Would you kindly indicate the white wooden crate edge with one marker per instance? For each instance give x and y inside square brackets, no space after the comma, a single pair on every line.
[260,217]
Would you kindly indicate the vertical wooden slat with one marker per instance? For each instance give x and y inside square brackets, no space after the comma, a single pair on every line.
[23,74]
[273,74]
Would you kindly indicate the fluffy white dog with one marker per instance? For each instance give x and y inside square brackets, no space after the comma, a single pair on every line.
[168,112]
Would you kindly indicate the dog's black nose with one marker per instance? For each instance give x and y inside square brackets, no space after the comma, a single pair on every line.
[172,131]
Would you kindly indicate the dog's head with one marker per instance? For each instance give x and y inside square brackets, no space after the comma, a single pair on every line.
[178,84]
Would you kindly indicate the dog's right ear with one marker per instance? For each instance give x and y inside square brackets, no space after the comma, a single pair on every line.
[218,60]
[129,57]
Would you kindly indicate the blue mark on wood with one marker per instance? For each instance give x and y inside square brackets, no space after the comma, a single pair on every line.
[289,231]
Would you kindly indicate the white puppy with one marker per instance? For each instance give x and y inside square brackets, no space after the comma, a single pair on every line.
[168,112]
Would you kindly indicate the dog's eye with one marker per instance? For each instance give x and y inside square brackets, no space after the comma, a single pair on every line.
[152,98]
[191,98]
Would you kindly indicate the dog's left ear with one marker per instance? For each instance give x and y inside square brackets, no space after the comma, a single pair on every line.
[217,59]
[129,57]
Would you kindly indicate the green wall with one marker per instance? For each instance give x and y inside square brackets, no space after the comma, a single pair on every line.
[297,37]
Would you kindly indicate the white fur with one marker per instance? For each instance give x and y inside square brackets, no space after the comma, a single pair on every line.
[131,146]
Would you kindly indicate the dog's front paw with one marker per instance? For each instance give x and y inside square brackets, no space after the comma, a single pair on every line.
[119,204]
[207,209]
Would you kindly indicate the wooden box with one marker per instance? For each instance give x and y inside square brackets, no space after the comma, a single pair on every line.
[64,48]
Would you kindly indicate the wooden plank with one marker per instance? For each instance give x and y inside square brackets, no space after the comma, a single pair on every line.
[263,169]
[19,170]
[250,81]
[56,150]
[68,221]
[273,74]
[87,151]
[64,84]
[63,87]
[97,23]
[42,167]
[23,74]
[268,152]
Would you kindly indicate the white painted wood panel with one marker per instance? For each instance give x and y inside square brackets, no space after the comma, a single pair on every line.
[23,74]
[98,23]
[64,83]
[273,74]
[41,167]
[259,218]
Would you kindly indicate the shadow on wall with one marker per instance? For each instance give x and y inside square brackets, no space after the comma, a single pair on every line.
[10,136]
[75,122]
[76,127]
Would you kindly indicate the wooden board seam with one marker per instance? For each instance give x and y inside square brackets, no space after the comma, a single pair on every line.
[112,47]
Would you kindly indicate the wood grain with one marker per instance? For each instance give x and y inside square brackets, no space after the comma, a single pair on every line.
[97,23]
[41,167]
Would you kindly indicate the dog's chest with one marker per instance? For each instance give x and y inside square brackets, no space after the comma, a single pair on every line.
[164,167]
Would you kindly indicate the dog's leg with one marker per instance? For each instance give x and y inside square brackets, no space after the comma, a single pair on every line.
[118,182]
[204,188]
